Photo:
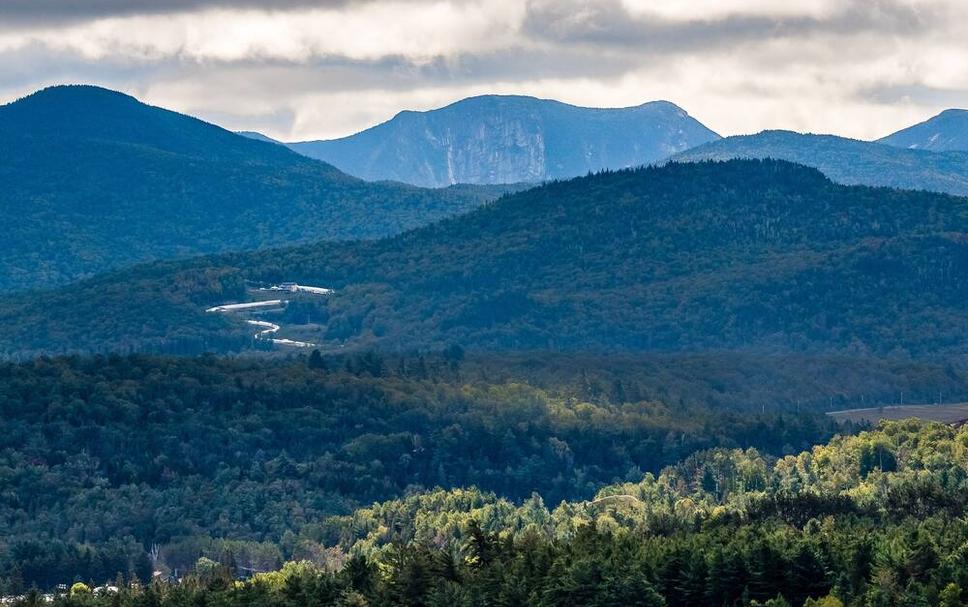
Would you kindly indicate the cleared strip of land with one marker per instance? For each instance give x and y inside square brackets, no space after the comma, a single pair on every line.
[948,414]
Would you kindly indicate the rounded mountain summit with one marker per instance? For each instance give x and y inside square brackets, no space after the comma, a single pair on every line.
[510,139]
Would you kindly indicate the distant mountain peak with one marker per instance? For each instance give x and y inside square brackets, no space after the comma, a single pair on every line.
[846,161]
[92,90]
[74,106]
[66,103]
[493,99]
[946,132]
[75,98]
[82,112]
[491,139]
[82,89]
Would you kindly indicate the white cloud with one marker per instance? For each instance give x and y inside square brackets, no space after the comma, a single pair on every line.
[370,31]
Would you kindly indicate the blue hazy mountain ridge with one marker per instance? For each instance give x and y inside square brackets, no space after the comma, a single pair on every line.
[846,161]
[94,180]
[946,132]
[510,139]
[258,137]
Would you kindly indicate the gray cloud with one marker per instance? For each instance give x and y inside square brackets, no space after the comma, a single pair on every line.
[391,74]
[863,68]
[608,24]
[54,11]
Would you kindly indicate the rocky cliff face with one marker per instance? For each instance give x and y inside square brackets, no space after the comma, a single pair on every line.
[496,139]
[492,151]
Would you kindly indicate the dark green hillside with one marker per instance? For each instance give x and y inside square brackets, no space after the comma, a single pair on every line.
[742,255]
[847,161]
[94,180]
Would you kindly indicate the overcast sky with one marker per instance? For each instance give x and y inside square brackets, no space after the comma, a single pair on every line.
[326,68]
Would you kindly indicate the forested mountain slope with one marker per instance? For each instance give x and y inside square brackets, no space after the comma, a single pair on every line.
[847,161]
[102,457]
[868,473]
[746,254]
[946,132]
[510,139]
[93,180]
[872,519]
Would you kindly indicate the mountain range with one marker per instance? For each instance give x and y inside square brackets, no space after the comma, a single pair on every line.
[95,180]
[691,255]
[510,139]
[761,255]
[650,348]
[846,161]
[504,139]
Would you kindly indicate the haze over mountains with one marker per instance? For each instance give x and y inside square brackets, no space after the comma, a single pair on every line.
[510,139]
[761,255]
[94,180]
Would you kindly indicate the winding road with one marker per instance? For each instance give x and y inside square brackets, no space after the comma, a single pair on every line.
[266,328]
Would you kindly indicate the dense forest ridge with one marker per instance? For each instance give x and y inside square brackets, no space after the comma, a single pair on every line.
[118,454]
[872,519]
[760,255]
